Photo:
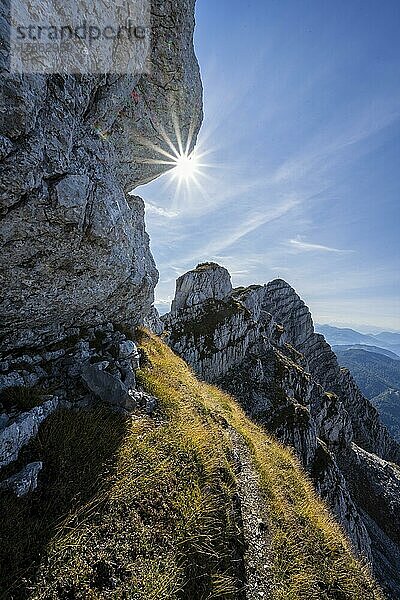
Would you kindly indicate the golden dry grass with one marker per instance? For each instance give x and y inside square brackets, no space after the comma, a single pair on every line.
[311,558]
[157,521]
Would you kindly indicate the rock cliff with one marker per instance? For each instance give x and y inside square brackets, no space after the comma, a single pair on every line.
[76,270]
[74,247]
[321,362]
[259,344]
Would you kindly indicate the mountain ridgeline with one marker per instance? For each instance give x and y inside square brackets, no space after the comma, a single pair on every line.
[259,344]
[337,336]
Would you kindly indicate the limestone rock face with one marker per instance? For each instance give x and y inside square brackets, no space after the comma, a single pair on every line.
[153,322]
[73,241]
[207,282]
[288,308]
[374,484]
[20,431]
[259,344]
[331,485]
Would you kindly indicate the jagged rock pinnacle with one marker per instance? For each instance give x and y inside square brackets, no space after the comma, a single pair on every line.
[208,281]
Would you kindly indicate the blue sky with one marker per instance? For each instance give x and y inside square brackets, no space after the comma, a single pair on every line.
[302,130]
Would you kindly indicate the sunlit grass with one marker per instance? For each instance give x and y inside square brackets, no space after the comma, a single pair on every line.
[311,557]
[152,517]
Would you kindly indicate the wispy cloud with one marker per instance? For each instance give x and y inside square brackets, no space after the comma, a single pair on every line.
[160,211]
[224,240]
[301,246]
[337,138]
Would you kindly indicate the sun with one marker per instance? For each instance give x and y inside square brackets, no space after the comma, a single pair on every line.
[186,166]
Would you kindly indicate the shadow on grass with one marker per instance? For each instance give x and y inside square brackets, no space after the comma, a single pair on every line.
[78,450]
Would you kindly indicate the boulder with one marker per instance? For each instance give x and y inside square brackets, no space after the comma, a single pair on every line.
[17,434]
[23,482]
[128,349]
[144,401]
[109,388]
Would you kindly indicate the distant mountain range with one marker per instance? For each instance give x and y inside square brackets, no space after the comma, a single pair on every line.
[373,349]
[337,336]
[378,377]
[374,373]
[374,361]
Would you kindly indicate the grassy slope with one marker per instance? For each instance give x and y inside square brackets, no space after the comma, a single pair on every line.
[163,524]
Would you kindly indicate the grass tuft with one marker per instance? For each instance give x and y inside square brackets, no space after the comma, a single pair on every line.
[21,398]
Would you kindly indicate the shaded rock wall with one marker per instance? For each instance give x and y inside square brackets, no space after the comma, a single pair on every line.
[74,246]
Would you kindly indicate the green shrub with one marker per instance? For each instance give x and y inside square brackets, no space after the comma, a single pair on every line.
[21,398]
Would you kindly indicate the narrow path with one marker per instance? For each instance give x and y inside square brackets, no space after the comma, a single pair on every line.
[254,509]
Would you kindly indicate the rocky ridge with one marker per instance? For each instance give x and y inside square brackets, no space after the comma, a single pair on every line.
[281,300]
[259,344]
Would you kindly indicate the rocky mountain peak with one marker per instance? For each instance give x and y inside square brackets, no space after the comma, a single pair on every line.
[208,281]
[289,309]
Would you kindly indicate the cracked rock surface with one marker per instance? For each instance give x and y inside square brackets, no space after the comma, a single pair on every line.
[73,241]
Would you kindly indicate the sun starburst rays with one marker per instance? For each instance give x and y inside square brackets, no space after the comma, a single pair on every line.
[185,165]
